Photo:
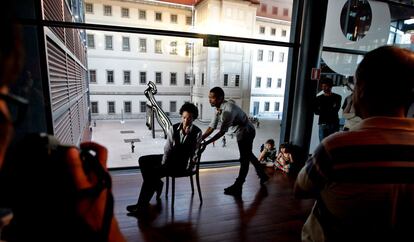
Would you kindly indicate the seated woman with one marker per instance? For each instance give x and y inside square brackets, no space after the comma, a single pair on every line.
[268,154]
[284,158]
[183,141]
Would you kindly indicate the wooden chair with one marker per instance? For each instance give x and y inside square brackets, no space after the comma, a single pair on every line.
[187,173]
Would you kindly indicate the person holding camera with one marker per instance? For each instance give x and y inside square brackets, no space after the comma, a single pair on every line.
[54,193]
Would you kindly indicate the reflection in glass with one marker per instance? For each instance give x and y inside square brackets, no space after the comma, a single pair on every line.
[356,18]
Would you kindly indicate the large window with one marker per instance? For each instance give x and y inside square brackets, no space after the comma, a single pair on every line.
[158,16]
[237,81]
[269,82]
[277,106]
[267,106]
[279,82]
[226,80]
[270,56]
[173,47]
[173,18]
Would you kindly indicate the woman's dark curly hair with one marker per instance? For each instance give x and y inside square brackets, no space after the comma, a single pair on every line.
[191,108]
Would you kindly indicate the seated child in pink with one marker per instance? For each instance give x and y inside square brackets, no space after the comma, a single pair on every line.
[284,158]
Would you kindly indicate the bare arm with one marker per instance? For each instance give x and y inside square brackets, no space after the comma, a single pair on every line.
[262,155]
[208,131]
[215,137]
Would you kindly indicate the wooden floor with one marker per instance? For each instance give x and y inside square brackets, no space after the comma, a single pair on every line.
[262,214]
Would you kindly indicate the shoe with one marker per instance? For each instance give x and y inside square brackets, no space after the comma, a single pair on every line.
[159,190]
[132,208]
[235,190]
[263,179]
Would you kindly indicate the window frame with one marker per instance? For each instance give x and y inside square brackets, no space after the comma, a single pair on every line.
[125,106]
[107,76]
[94,104]
[92,75]
[129,77]
[109,108]
[107,7]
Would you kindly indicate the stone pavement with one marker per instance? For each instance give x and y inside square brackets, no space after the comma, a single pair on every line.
[116,137]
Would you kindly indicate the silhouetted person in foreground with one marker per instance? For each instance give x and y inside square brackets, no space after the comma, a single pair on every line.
[363,179]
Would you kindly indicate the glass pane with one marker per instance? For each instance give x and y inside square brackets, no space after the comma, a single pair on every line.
[268,19]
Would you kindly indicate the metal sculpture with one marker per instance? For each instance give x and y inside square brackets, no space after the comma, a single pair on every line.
[154,110]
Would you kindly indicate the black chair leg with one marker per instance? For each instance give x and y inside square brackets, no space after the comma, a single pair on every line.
[198,188]
[172,192]
[192,185]
[167,185]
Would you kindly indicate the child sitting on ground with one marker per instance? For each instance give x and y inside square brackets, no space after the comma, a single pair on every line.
[268,154]
[284,158]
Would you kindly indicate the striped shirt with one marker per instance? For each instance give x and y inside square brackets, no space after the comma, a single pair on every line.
[363,181]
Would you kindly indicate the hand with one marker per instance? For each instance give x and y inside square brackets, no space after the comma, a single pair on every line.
[91,209]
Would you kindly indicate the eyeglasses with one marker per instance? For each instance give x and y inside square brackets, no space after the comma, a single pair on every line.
[17,106]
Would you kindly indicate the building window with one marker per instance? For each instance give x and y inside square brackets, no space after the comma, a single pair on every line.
[262,29]
[127,77]
[89,7]
[263,8]
[110,77]
[158,78]
[94,107]
[107,10]
[272,31]
[187,49]
[284,33]
[111,107]
[188,20]
[279,83]
[186,79]
[277,106]
[142,77]
[281,57]
[158,46]
[159,104]
[202,79]
[158,16]
[108,42]
[91,41]
[271,55]
[127,107]
[226,80]
[269,82]
[125,12]
[142,107]
[125,44]
[92,76]
[267,106]
[237,81]
[274,10]
[173,106]
[173,47]
[260,55]
[142,45]
[173,18]
[173,78]
[285,12]
[142,14]
[258,82]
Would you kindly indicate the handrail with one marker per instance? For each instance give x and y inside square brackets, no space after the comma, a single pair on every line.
[153,108]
